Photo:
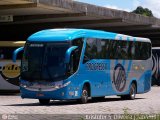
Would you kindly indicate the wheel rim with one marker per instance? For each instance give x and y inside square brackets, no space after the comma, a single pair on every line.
[132,92]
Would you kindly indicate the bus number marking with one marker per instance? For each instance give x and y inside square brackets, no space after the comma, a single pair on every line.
[96,66]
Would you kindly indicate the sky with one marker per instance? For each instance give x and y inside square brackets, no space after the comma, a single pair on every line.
[128,5]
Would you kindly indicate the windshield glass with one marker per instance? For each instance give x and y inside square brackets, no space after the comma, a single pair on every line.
[44,61]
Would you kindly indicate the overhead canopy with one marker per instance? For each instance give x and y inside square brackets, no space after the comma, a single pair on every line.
[23,17]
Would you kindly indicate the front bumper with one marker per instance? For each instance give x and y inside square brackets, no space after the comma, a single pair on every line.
[59,94]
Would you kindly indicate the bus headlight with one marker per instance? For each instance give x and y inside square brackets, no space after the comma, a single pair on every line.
[67,83]
[23,85]
[61,86]
[58,86]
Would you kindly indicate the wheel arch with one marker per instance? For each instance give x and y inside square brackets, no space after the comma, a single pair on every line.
[88,85]
[135,82]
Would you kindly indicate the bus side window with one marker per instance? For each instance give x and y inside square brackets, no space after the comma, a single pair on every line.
[124,50]
[145,50]
[94,49]
[114,49]
[76,54]
[74,61]
[141,50]
[89,50]
[131,50]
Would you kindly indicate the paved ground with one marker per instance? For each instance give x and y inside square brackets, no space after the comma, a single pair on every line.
[144,103]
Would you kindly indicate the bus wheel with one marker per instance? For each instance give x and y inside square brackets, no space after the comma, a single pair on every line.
[84,96]
[132,93]
[44,101]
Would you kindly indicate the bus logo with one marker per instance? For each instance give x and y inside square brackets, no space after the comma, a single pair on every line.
[119,77]
[11,70]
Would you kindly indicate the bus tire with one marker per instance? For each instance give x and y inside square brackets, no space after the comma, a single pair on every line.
[84,96]
[44,101]
[132,93]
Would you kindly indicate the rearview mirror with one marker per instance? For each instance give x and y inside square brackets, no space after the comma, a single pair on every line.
[68,53]
[15,53]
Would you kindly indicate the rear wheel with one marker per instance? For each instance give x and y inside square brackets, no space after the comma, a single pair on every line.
[132,93]
[84,96]
[44,101]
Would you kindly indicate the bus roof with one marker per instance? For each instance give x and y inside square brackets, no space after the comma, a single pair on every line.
[70,34]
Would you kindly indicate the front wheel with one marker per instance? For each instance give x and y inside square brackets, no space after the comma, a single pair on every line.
[84,96]
[44,101]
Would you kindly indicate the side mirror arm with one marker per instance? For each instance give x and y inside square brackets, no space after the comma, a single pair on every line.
[68,53]
[15,53]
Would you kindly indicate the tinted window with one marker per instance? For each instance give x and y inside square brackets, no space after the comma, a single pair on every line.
[116,49]
[96,49]
[76,54]
[143,50]
[119,50]
[44,61]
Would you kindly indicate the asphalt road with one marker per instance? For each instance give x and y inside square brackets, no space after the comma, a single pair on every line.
[148,103]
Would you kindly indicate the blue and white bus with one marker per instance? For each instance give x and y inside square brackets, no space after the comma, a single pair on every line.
[65,64]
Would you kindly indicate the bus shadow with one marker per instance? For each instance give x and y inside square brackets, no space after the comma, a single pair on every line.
[72,102]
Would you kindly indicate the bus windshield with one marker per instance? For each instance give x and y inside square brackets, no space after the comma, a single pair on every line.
[44,61]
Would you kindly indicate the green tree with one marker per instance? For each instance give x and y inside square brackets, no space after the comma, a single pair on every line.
[143,11]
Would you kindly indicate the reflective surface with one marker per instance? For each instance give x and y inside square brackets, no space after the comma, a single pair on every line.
[44,61]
